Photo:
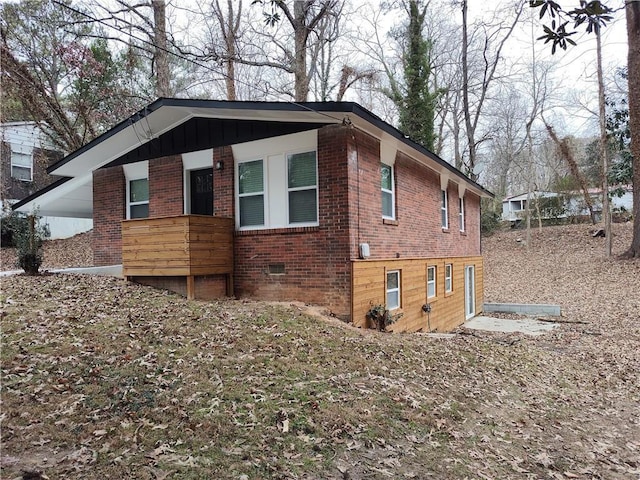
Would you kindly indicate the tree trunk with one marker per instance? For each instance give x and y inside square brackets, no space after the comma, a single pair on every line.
[163,88]
[465,94]
[573,166]
[604,151]
[633,62]
[300,39]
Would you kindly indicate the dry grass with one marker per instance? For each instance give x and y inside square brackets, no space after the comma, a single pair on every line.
[103,379]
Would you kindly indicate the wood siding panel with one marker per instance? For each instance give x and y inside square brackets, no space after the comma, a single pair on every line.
[447,309]
[182,245]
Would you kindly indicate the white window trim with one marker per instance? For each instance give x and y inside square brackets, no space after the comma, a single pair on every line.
[444,209]
[461,214]
[264,193]
[30,167]
[134,171]
[300,189]
[392,192]
[448,278]
[264,150]
[432,282]
[389,290]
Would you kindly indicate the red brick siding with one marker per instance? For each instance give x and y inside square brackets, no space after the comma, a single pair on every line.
[109,205]
[223,199]
[166,186]
[418,232]
[316,259]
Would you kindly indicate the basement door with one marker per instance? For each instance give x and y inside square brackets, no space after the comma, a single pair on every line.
[201,186]
[469,291]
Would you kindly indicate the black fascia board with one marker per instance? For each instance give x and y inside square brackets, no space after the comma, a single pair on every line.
[42,191]
[339,107]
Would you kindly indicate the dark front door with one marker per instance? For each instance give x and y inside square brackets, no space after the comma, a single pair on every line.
[202,191]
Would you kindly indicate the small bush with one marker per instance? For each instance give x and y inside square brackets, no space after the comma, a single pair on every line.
[27,235]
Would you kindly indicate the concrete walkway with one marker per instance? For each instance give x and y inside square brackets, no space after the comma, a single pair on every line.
[527,326]
[108,271]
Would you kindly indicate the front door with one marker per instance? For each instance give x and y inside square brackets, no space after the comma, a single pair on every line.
[469,291]
[202,191]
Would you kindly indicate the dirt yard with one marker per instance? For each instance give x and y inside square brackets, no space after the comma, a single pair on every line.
[104,379]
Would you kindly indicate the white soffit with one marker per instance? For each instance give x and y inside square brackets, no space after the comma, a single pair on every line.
[73,198]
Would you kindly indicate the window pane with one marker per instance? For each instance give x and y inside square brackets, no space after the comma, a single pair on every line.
[21,173]
[21,159]
[385,172]
[431,274]
[393,300]
[139,211]
[139,190]
[303,206]
[302,169]
[252,210]
[387,204]
[445,223]
[431,290]
[392,280]
[251,177]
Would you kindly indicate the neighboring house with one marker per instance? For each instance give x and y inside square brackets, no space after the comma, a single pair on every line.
[323,203]
[569,204]
[25,155]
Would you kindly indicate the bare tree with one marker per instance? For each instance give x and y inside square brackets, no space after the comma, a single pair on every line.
[493,40]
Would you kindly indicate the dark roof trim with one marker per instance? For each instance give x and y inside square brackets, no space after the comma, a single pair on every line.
[40,192]
[319,107]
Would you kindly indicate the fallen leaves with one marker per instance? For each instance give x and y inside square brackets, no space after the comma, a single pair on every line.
[105,379]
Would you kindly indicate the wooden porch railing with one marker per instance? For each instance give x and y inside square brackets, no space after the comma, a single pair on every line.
[183,246]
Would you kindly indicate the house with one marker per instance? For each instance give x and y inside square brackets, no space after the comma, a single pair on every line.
[321,202]
[25,154]
[564,205]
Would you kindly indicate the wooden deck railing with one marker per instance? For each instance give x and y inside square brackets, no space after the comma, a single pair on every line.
[183,245]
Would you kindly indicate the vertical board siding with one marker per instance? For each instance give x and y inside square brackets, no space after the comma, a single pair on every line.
[447,310]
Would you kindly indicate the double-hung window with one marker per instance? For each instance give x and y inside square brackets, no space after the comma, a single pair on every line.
[444,210]
[461,214]
[302,178]
[448,278]
[251,193]
[388,193]
[393,289]
[431,282]
[138,198]
[21,166]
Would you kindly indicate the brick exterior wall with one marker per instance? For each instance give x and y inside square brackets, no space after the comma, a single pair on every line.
[223,186]
[109,203]
[166,186]
[417,231]
[316,259]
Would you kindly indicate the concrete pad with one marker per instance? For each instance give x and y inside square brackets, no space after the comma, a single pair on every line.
[523,308]
[528,326]
[108,271]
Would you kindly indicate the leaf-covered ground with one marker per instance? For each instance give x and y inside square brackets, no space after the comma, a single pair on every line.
[104,379]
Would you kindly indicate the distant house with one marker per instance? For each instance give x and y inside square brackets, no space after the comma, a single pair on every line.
[563,205]
[25,155]
[323,203]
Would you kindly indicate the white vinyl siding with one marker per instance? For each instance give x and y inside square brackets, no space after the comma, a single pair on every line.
[388,192]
